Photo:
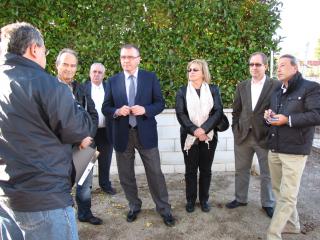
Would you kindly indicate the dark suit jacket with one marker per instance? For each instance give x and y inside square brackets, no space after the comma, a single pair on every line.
[243,118]
[148,95]
[87,87]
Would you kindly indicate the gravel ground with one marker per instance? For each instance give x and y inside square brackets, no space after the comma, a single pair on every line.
[244,223]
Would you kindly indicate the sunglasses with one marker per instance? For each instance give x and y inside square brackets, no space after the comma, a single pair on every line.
[193,70]
[255,64]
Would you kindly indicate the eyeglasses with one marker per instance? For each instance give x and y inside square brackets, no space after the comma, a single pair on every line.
[47,52]
[193,70]
[128,57]
[255,64]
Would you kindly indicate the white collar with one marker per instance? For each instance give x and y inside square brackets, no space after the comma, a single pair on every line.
[135,74]
[261,82]
[97,87]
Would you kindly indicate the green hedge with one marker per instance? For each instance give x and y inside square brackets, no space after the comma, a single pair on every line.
[170,33]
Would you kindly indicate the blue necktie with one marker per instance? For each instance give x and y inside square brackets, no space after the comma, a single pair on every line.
[132,95]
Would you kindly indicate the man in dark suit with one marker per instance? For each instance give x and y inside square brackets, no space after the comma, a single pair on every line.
[95,88]
[133,97]
[249,130]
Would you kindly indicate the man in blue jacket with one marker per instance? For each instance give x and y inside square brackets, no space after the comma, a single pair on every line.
[38,129]
[293,114]
[133,97]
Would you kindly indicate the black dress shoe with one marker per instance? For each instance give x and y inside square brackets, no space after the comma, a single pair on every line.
[92,220]
[132,215]
[190,206]
[169,220]
[205,207]
[269,211]
[235,204]
[110,190]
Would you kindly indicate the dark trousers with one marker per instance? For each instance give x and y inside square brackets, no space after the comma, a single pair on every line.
[104,159]
[199,156]
[155,177]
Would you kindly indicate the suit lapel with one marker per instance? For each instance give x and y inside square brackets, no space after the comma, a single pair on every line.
[122,88]
[88,88]
[264,92]
[248,93]
[139,86]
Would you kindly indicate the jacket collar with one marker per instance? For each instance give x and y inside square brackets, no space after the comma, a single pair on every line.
[12,59]
[294,82]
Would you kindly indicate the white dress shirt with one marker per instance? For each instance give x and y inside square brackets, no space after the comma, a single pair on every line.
[97,95]
[256,88]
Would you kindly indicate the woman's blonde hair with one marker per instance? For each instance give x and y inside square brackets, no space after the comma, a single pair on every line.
[204,67]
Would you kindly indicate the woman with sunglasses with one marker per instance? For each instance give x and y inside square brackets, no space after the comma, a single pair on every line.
[199,110]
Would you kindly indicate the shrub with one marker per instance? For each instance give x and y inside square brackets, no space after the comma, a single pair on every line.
[169,34]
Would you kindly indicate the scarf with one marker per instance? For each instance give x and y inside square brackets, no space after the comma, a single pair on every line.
[198,109]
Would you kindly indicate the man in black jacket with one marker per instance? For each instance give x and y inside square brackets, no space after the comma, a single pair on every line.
[66,63]
[293,113]
[38,129]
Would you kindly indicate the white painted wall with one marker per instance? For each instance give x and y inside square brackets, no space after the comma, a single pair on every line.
[170,150]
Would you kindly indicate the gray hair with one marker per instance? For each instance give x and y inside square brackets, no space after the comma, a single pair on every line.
[66,50]
[17,37]
[263,56]
[98,64]
[293,59]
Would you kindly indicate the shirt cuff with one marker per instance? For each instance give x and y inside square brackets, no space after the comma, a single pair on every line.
[289,121]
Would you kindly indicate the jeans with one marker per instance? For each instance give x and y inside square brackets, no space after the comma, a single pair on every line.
[9,228]
[83,198]
[50,225]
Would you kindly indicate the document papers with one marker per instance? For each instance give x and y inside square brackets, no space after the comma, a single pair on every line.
[83,161]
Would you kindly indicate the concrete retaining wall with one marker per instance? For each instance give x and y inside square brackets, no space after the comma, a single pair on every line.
[170,149]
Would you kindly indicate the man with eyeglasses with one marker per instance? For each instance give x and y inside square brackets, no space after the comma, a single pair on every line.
[249,130]
[39,122]
[133,98]
[294,112]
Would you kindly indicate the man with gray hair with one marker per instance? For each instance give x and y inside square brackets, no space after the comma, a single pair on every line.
[293,114]
[67,63]
[103,138]
[38,129]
